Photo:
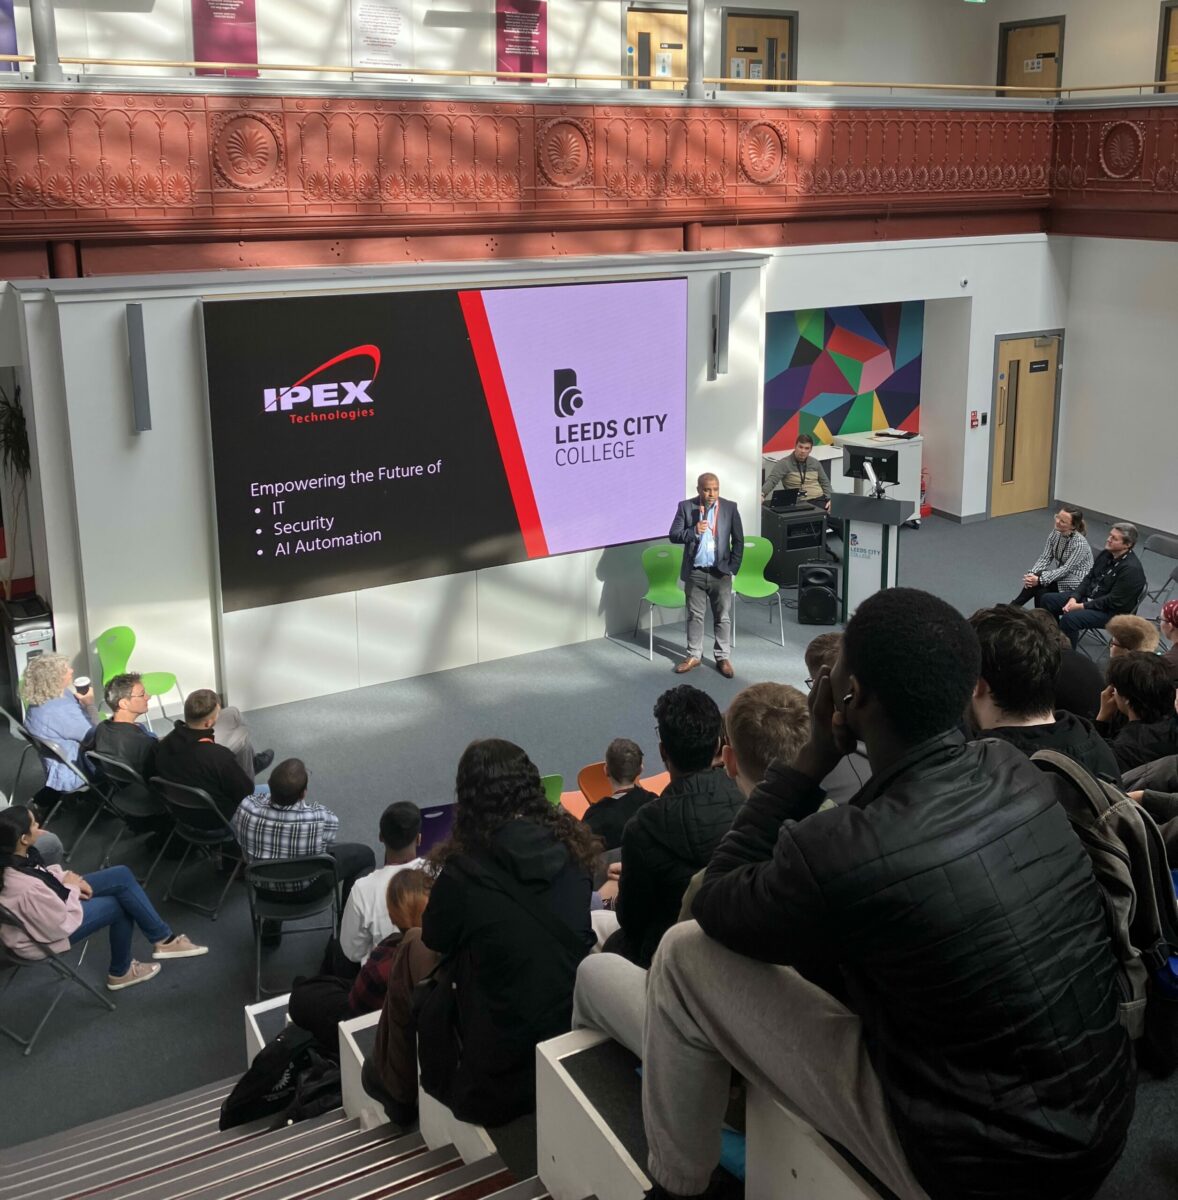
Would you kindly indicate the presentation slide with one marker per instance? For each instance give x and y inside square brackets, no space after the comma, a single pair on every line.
[363,440]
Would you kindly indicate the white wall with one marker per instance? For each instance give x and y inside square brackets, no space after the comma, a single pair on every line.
[1105,41]
[1017,284]
[1116,447]
[143,553]
[915,41]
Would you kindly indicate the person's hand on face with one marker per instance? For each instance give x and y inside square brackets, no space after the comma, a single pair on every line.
[1108,704]
[830,737]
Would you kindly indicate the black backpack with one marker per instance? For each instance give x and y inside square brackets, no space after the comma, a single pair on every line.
[287,1063]
[1128,856]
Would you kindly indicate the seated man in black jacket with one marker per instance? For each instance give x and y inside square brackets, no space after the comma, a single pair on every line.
[189,755]
[1114,585]
[1014,696]
[924,974]
[123,736]
[674,835]
[1137,711]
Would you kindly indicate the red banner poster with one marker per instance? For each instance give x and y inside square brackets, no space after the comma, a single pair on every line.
[521,37]
[225,31]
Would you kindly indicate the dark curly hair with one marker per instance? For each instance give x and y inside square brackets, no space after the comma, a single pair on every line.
[918,656]
[497,782]
[690,726]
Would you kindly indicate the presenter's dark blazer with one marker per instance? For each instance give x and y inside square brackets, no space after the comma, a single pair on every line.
[729,535]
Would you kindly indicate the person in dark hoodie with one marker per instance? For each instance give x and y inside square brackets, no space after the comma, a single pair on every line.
[1014,693]
[672,837]
[609,816]
[1137,712]
[924,975]
[510,911]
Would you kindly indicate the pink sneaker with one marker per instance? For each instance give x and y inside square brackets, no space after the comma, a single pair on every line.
[178,946]
[139,973]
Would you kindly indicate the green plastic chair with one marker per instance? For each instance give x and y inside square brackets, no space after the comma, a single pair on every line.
[114,647]
[751,583]
[553,785]
[662,565]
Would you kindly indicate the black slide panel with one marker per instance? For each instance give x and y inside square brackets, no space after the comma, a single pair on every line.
[352,446]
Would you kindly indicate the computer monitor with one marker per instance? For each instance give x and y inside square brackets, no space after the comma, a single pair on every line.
[884,462]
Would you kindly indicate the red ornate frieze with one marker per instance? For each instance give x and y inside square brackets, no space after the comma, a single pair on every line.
[83,165]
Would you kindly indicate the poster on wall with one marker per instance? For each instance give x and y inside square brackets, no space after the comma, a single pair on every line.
[7,34]
[521,37]
[830,371]
[365,440]
[225,31]
[382,33]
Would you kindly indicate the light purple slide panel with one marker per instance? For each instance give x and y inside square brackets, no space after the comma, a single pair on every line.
[605,451]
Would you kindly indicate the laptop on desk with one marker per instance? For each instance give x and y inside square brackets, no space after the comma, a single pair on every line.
[785,500]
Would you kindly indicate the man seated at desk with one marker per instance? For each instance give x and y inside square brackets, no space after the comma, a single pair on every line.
[798,470]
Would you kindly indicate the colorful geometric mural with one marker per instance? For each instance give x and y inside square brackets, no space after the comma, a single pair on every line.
[842,370]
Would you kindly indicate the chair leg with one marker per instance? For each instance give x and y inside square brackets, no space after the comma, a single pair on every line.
[780,620]
[158,859]
[176,872]
[257,959]
[732,621]
[82,836]
[114,845]
[225,890]
[19,768]
[650,645]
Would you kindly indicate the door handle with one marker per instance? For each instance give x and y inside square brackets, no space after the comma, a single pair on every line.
[1002,406]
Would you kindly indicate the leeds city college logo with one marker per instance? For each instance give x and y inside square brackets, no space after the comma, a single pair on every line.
[325,395]
[566,396]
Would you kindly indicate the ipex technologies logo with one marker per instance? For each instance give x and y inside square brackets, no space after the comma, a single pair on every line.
[335,395]
[566,396]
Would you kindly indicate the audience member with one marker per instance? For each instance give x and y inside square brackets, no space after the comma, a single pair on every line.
[122,736]
[608,817]
[925,976]
[1065,561]
[854,770]
[320,1003]
[1168,623]
[798,471]
[366,920]
[281,823]
[1128,634]
[1015,692]
[49,849]
[510,908]
[1113,586]
[1137,713]
[190,755]
[673,836]
[390,1072]
[58,713]
[1079,682]
[765,723]
[59,908]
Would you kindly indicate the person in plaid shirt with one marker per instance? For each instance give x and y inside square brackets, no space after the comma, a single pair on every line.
[283,823]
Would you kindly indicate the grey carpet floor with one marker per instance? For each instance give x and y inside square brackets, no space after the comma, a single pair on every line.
[402,741]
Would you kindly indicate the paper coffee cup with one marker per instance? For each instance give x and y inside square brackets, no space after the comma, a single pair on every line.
[81,683]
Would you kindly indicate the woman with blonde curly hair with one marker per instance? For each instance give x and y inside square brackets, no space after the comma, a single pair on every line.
[54,711]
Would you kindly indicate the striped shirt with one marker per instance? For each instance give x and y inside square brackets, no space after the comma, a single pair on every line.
[1065,561]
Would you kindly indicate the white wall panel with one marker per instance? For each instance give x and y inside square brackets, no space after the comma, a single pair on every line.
[532,605]
[411,628]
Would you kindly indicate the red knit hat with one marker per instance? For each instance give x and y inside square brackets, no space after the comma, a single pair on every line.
[1170,612]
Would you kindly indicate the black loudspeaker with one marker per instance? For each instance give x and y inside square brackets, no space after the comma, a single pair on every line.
[818,594]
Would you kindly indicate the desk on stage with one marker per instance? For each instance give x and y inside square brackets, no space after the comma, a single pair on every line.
[797,537]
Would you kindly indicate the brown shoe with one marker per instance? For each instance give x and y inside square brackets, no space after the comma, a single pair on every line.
[725,668]
[138,973]
[688,664]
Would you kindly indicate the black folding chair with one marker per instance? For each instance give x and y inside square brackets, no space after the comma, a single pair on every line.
[131,800]
[201,826]
[1165,547]
[52,960]
[290,889]
[50,751]
[14,727]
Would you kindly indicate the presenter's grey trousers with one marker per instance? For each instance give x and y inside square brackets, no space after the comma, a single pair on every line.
[706,586]
[709,1010]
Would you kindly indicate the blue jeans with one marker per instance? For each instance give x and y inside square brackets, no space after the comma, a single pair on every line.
[119,902]
[1073,623]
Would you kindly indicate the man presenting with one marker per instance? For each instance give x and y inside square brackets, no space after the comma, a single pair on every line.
[1113,586]
[798,470]
[712,537]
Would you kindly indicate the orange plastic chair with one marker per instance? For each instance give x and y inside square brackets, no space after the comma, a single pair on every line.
[594,782]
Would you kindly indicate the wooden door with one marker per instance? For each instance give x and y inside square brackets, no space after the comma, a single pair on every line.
[658,39]
[1024,424]
[1031,55]
[756,47]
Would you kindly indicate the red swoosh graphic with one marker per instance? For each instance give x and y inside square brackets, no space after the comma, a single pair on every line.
[369,351]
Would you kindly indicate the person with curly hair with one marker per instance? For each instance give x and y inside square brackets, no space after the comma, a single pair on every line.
[510,913]
[56,712]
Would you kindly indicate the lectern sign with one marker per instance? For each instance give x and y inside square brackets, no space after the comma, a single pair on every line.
[361,440]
